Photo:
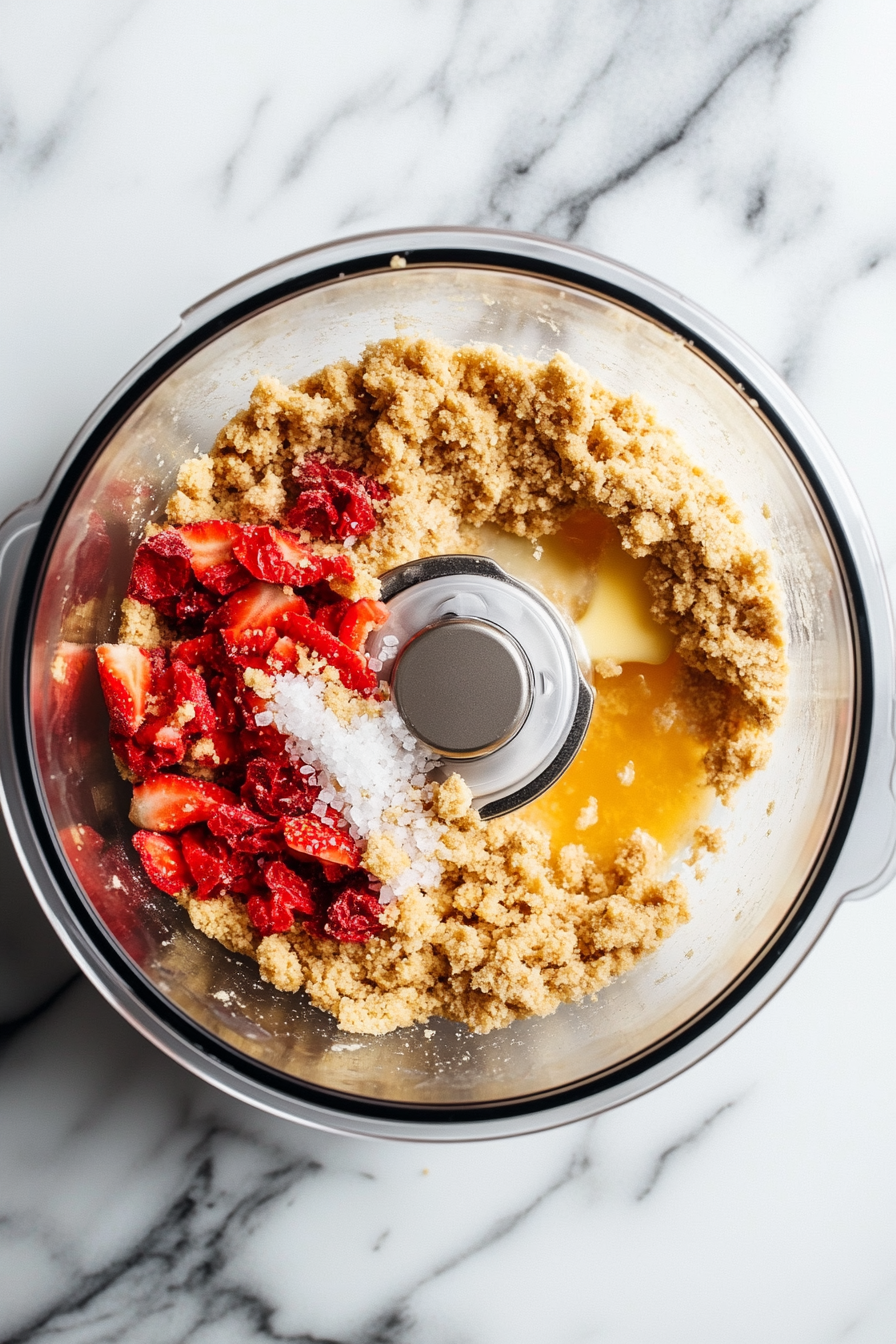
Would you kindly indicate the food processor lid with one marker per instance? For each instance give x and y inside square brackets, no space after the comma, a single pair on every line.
[487,673]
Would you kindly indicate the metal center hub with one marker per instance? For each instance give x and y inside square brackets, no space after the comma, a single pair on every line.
[463,686]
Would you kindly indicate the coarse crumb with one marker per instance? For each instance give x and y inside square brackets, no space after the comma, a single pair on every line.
[464,437]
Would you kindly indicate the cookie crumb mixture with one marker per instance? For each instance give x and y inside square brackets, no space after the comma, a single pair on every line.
[320,488]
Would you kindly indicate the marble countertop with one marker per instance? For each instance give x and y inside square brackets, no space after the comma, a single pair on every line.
[741,151]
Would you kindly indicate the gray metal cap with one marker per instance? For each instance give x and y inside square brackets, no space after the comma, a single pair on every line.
[463,686]
[508,711]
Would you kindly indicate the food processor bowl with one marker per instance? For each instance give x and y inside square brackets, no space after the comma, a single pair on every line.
[817,825]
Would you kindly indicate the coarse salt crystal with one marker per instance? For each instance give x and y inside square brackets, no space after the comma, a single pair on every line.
[264,718]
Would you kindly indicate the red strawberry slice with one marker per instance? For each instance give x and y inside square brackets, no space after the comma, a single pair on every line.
[163,860]
[280,557]
[209,544]
[357,623]
[161,568]
[211,555]
[308,835]
[126,677]
[330,616]
[171,802]
[354,916]
[351,665]
[255,608]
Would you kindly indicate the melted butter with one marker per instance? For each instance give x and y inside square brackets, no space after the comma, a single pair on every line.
[639,766]
[617,623]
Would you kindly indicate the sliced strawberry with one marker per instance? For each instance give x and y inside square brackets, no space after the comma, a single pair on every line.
[161,568]
[308,835]
[280,557]
[163,860]
[126,677]
[330,616]
[251,647]
[255,608]
[171,802]
[351,665]
[354,916]
[357,623]
[212,559]
[210,544]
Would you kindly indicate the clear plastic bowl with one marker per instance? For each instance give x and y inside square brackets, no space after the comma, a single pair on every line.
[65,562]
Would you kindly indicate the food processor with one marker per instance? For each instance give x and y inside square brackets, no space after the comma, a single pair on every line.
[816,826]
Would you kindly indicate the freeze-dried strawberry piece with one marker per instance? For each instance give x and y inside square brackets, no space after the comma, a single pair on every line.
[256,607]
[227,578]
[161,568]
[288,895]
[351,666]
[362,617]
[217,749]
[277,790]
[223,694]
[280,557]
[354,916]
[171,802]
[309,835]
[330,616]
[189,688]
[126,678]
[163,860]
[193,607]
[162,744]
[234,820]
[209,861]
[334,503]
[251,647]
[206,653]
[290,887]
[315,512]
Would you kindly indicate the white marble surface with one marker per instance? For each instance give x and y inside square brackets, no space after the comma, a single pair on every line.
[740,150]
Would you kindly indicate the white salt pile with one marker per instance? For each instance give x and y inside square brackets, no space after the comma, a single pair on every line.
[364,768]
